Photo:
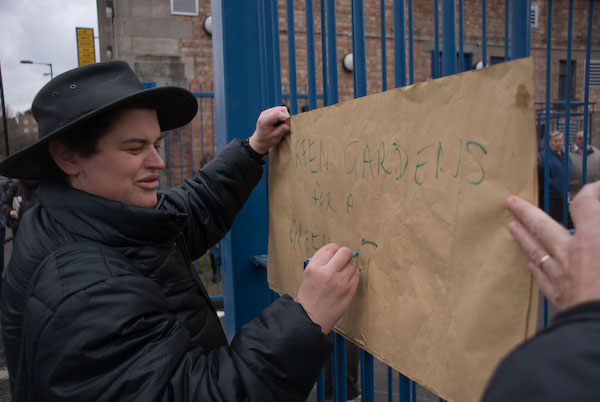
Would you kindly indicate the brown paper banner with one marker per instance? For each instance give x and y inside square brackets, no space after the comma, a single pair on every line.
[415,180]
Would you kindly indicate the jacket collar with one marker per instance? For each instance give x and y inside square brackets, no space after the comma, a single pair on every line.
[106,221]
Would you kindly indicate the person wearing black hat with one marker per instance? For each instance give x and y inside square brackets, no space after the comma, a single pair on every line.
[101,302]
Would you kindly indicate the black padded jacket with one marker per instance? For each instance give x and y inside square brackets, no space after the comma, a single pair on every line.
[101,302]
[561,363]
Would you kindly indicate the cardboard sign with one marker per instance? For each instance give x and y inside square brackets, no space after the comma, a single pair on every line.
[415,180]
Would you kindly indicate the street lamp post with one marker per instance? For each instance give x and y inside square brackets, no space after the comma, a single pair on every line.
[4,126]
[35,62]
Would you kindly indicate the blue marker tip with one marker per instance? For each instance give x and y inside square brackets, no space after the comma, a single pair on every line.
[354,254]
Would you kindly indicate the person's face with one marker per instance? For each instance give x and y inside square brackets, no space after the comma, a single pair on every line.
[126,165]
[556,143]
[579,139]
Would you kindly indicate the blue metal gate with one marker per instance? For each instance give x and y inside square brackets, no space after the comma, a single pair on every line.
[248,72]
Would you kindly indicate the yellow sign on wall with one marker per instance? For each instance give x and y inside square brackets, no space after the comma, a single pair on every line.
[86,52]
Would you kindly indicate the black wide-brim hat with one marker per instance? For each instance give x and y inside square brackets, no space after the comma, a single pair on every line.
[82,94]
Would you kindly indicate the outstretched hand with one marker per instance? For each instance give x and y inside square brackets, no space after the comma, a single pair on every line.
[270,129]
[328,286]
[566,267]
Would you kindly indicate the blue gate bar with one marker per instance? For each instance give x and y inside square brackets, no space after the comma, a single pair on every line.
[390,384]
[461,47]
[366,364]
[340,362]
[383,43]
[519,29]
[399,45]
[324,48]
[436,40]
[506,30]
[310,55]
[275,53]
[332,96]
[411,72]
[265,82]
[321,387]
[192,167]
[586,96]
[484,32]
[449,37]
[358,49]
[201,131]
[567,115]
[404,385]
[291,40]
[237,106]
[547,132]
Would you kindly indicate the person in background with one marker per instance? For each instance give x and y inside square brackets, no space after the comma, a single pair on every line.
[19,197]
[562,362]
[593,163]
[102,301]
[556,162]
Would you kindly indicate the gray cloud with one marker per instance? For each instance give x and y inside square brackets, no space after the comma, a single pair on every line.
[42,31]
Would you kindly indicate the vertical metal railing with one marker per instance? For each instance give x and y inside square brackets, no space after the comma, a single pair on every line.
[516,44]
[452,61]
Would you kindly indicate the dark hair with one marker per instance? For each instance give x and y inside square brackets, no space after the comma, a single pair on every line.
[83,139]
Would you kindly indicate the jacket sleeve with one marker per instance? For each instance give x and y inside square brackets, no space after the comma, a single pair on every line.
[561,363]
[214,195]
[125,345]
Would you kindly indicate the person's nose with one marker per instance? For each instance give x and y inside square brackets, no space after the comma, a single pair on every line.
[154,161]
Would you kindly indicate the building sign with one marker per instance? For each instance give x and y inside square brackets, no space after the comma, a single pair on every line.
[86,52]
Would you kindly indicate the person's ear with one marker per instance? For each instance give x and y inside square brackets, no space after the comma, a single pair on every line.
[64,157]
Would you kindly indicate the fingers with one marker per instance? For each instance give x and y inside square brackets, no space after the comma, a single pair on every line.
[274,115]
[340,259]
[549,234]
[270,129]
[546,286]
[324,254]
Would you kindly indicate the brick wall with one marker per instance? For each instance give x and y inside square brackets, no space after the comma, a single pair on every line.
[195,52]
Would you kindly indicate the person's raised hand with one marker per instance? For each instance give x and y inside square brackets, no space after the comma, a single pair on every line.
[328,286]
[566,267]
[270,129]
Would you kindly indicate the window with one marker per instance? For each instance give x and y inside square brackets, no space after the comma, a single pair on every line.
[594,79]
[35,129]
[562,80]
[184,7]
[25,121]
[467,60]
[26,130]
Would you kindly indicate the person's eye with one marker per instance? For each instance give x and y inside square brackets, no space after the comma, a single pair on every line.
[134,150]
[158,147]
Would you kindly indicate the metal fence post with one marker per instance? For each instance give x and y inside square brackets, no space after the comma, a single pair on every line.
[238,102]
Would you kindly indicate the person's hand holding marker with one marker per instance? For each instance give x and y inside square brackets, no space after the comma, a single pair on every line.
[328,285]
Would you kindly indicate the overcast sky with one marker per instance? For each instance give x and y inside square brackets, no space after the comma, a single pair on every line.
[41,31]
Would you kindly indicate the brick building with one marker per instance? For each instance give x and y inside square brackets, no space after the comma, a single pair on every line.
[166,43]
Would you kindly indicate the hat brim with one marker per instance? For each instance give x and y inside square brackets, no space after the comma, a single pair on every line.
[175,107]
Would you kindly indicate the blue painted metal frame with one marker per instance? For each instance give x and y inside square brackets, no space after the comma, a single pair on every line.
[586,96]
[239,98]
[448,37]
